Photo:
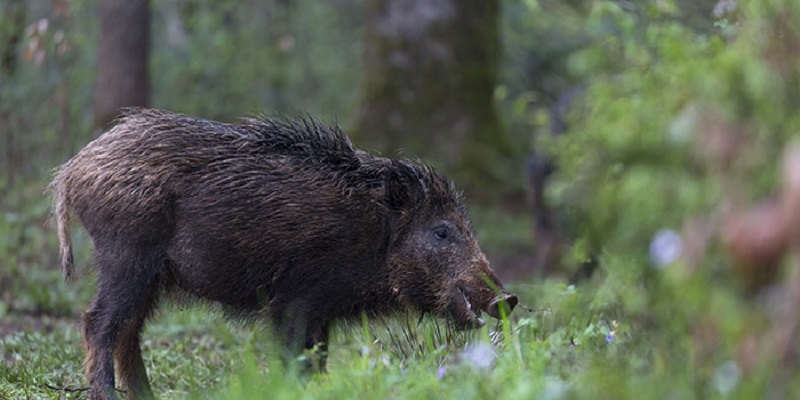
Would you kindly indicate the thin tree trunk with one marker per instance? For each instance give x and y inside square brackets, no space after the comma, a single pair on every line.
[122,58]
[13,21]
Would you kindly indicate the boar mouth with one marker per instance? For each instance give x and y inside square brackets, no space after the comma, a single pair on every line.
[467,312]
[470,315]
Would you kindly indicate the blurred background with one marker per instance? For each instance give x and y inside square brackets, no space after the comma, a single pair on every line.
[639,153]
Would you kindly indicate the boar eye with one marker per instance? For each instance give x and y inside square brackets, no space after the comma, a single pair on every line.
[441,233]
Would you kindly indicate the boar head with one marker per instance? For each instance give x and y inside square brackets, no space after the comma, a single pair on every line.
[435,263]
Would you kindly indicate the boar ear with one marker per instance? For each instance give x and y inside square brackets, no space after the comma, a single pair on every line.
[396,195]
[401,187]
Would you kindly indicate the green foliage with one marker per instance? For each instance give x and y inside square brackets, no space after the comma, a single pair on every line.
[680,130]
[229,59]
[30,278]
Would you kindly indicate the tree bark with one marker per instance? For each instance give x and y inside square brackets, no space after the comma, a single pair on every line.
[122,58]
[429,77]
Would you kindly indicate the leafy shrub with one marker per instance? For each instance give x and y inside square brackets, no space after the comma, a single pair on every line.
[668,151]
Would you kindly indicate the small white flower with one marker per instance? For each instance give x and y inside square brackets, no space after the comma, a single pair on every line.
[726,377]
[554,389]
[481,355]
[665,248]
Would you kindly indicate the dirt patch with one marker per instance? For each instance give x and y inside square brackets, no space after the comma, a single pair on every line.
[31,323]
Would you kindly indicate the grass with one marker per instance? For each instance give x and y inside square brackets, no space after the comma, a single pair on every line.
[543,354]
[575,346]
[191,355]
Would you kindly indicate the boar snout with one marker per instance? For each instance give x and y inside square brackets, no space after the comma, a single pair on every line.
[505,301]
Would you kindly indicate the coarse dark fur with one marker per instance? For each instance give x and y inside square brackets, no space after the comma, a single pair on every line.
[275,218]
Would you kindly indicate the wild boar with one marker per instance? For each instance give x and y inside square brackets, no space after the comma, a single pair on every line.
[278,219]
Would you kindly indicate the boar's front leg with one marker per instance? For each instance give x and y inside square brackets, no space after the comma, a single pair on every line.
[306,335]
[316,345]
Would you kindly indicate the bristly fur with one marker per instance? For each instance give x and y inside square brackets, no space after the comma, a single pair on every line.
[275,218]
[305,141]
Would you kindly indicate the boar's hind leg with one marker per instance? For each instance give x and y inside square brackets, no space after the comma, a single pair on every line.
[126,294]
[128,352]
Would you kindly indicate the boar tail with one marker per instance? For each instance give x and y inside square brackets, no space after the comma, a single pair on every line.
[61,218]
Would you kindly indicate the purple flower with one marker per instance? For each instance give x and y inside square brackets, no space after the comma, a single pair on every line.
[610,337]
[440,373]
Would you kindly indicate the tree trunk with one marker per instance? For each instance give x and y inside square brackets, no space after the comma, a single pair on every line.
[429,78]
[12,27]
[122,58]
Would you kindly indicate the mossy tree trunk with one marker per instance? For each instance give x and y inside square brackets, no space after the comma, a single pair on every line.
[429,78]
[122,58]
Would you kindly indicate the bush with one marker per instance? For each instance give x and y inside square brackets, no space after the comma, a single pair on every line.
[671,176]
